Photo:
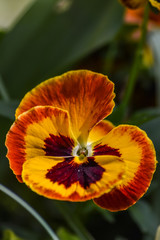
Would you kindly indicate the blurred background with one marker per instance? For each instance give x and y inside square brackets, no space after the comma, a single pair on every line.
[40,39]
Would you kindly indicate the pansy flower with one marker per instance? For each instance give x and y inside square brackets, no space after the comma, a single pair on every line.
[140,3]
[60,146]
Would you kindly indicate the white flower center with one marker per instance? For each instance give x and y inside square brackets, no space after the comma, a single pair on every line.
[82,152]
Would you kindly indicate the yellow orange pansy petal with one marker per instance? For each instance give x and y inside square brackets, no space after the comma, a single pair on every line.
[137,151]
[155,3]
[133,3]
[41,131]
[87,96]
[68,180]
[100,130]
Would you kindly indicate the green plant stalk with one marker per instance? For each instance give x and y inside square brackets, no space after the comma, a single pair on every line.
[30,210]
[122,109]
[138,59]
[73,221]
[3,91]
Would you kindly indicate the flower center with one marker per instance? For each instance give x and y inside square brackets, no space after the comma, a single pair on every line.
[82,153]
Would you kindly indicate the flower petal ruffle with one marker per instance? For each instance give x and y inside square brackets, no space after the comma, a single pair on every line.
[100,130]
[41,131]
[87,97]
[68,180]
[137,151]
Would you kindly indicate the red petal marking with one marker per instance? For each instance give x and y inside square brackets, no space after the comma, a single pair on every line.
[54,195]
[15,139]
[58,146]
[87,97]
[105,150]
[69,172]
[124,196]
[19,178]
[16,149]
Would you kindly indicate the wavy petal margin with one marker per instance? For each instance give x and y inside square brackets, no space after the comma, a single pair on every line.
[137,151]
[68,180]
[87,96]
[41,131]
[100,130]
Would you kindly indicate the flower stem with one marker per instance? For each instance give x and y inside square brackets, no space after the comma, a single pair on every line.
[30,210]
[122,108]
[3,91]
[73,221]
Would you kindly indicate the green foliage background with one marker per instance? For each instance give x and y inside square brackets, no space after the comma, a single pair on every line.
[52,38]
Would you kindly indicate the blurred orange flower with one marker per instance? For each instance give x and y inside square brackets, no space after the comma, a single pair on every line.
[60,146]
[136,16]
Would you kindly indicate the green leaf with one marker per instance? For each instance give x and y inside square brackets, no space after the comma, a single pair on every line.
[152,130]
[145,217]
[108,216]
[2,34]
[72,220]
[63,234]
[144,116]
[7,109]
[120,238]
[154,40]
[9,235]
[47,41]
